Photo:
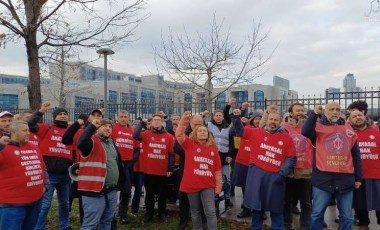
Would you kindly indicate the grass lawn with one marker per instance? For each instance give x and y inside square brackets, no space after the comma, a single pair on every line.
[136,222]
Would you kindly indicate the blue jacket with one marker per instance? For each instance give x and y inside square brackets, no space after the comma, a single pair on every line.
[331,181]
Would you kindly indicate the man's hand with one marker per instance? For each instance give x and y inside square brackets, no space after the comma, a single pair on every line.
[45,107]
[186,117]
[168,174]
[244,120]
[357,184]
[232,101]
[4,140]
[318,109]
[102,110]
[162,114]
[96,122]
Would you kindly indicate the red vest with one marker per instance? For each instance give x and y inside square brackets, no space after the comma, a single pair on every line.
[51,144]
[304,147]
[269,150]
[124,141]
[21,174]
[34,140]
[369,144]
[201,163]
[156,148]
[333,148]
[245,148]
[93,168]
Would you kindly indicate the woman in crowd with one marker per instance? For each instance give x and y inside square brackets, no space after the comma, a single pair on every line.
[202,176]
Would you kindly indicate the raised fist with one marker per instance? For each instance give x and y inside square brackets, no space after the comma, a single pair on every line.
[96,122]
[318,109]
[232,101]
[244,120]
[4,140]
[45,107]
[272,109]
[186,117]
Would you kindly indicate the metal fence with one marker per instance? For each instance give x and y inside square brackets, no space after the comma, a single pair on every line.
[146,110]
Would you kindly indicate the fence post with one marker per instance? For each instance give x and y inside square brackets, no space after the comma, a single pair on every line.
[327,96]
[265,103]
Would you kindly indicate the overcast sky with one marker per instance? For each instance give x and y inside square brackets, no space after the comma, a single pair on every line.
[320,41]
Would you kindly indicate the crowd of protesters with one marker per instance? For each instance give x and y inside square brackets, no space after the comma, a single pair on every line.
[315,157]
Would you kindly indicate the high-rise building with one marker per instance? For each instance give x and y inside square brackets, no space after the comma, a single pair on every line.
[349,83]
[281,82]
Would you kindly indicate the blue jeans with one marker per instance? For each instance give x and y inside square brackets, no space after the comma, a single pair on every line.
[203,199]
[258,218]
[139,182]
[321,200]
[125,193]
[20,218]
[60,182]
[99,211]
[226,172]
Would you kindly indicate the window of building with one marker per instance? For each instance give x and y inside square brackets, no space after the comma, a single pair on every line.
[8,101]
[258,98]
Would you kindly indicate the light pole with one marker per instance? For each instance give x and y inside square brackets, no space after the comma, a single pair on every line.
[105,52]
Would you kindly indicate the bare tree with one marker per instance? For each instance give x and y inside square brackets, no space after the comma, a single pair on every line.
[213,59]
[57,23]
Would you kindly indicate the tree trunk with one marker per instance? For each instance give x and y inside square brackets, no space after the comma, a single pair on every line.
[209,91]
[34,86]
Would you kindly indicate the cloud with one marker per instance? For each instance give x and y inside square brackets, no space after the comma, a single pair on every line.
[319,41]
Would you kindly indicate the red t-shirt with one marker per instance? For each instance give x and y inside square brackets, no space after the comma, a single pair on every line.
[269,150]
[201,163]
[51,141]
[156,148]
[21,174]
[369,144]
[124,141]
[34,139]
[244,151]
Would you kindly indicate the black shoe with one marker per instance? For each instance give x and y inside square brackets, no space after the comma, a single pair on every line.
[336,220]
[244,213]
[295,210]
[162,217]
[228,204]
[124,221]
[148,218]
[324,224]
[265,216]
[69,228]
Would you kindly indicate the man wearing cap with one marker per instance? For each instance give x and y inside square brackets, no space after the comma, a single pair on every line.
[241,149]
[100,175]
[58,158]
[70,137]
[5,122]
[22,179]
[337,168]
[129,150]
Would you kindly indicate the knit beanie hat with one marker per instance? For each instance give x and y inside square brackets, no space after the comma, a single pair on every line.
[256,114]
[57,111]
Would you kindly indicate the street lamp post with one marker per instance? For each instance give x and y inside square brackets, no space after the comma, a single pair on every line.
[105,52]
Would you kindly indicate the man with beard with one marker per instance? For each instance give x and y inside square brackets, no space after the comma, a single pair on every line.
[298,185]
[337,168]
[100,175]
[367,197]
[272,157]
[58,158]
[5,123]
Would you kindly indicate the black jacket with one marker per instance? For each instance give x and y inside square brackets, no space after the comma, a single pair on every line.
[85,145]
[330,181]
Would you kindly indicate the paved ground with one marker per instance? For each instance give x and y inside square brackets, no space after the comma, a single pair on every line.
[330,215]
